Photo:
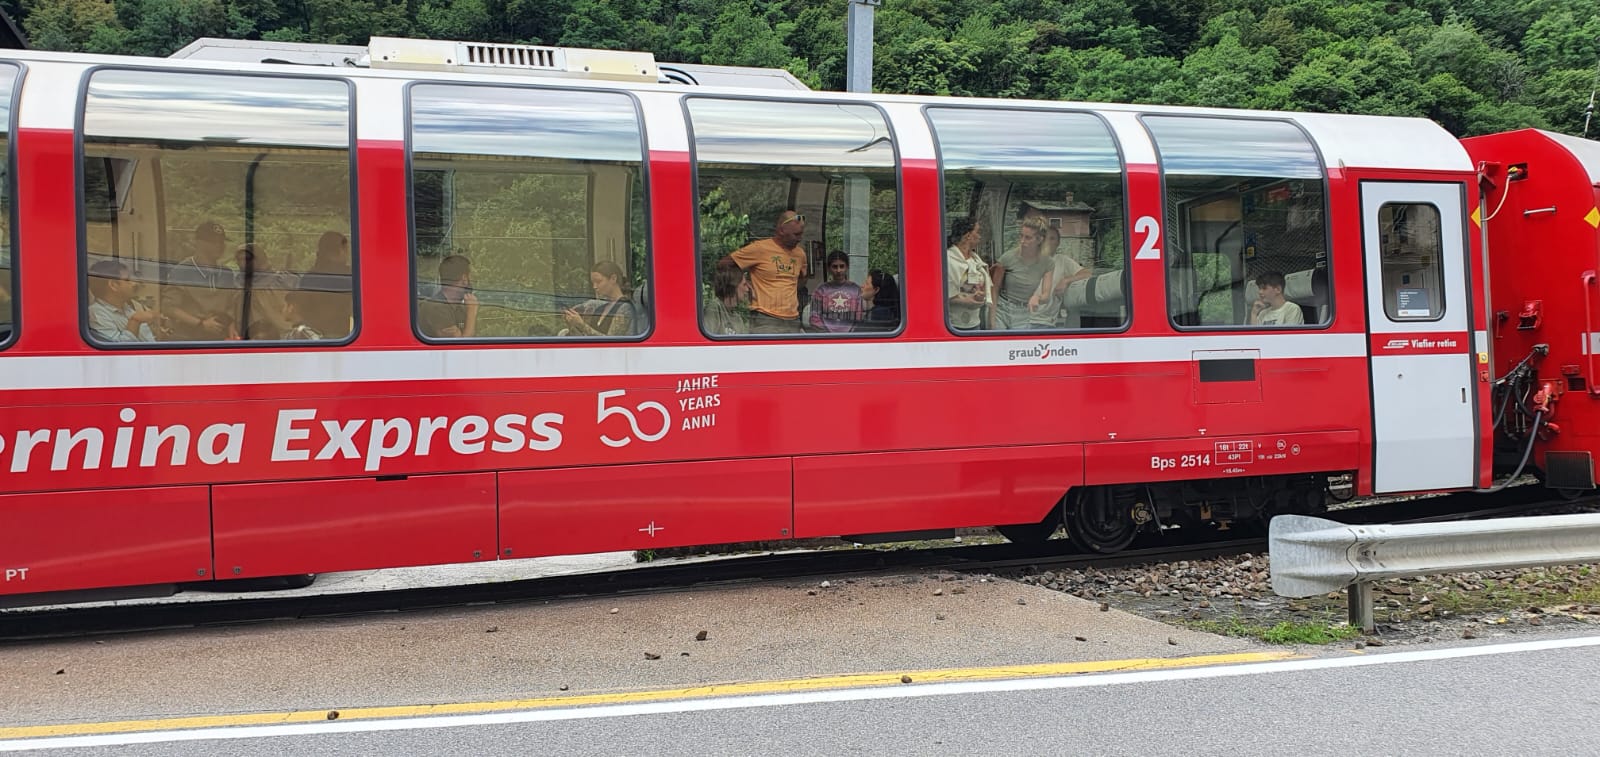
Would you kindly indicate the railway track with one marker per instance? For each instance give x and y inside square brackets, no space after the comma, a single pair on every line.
[68,621]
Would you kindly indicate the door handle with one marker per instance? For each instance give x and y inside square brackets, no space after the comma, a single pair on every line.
[1463,395]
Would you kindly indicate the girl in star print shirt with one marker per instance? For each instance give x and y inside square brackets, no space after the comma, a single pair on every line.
[837,305]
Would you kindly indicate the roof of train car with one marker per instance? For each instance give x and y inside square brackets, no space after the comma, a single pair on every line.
[1344,140]
[1587,151]
[318,54]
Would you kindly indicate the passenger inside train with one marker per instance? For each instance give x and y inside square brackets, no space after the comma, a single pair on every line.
[326,306]
[260,291]
[295,304]
[839,304]
[1270,308]
[451,312]
[726,311]
[971,291]
[777,265]
[198,293]
[884,294]
[114,314]
[611,312]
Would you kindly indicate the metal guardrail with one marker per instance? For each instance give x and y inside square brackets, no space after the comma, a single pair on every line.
[1311,556]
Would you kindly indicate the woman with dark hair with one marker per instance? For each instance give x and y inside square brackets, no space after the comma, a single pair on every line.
[885,312]
[724,313]
[610,313]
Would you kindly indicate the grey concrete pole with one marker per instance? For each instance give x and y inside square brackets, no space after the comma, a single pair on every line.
[858,34]
[858,78]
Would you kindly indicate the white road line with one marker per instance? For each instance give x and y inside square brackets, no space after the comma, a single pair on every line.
[782,700]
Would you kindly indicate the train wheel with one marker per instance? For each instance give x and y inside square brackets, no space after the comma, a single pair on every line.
[1100,521]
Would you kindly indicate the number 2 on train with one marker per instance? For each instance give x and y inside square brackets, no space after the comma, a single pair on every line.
[1150,248]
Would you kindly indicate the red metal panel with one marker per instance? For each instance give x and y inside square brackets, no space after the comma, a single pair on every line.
[383,246]
[355,524]
[924,231]
[904,491]
[1146,218]
[577,510]
[675,295]
[1221,457]
[48,226]
[93,539]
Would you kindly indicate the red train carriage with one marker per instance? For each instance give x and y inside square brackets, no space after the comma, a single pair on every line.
[1541,229]
[456,303]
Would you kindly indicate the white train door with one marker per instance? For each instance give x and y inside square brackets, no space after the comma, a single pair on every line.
[1424,420]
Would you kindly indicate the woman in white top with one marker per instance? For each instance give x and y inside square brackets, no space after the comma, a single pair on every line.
[970,292]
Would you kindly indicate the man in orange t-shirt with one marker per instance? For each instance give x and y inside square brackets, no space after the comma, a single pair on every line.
[776,267]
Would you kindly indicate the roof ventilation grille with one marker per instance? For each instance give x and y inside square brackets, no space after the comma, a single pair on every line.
[441,55]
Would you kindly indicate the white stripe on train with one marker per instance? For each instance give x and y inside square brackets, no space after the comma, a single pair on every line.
[231,367]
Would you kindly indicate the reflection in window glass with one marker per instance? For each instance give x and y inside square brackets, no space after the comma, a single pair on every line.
[1034,222]
[798,218]
[1411,245]
[217,208]
[1246,228]
[8,319]
[529,214]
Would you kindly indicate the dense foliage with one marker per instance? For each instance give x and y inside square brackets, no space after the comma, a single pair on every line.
[1475,66]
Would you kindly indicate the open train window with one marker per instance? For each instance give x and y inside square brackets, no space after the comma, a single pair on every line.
[217,209]
[1246,229]
[528,214]
[1034,223]
[799,218]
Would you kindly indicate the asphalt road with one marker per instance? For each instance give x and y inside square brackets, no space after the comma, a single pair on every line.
[1535,697]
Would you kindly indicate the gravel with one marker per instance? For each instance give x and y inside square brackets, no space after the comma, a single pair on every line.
[1234,594]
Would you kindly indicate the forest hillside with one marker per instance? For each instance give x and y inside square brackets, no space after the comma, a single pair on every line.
[1475,66]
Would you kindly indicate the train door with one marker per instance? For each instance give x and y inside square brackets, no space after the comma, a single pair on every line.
[1424,420]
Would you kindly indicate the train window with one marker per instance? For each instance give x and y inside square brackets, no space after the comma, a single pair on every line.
[1412,245]
[217,208]
[1034,222]
[8,318]
[1246,223]
[798,218]
[529,214]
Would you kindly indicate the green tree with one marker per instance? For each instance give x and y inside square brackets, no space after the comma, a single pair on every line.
[74,25]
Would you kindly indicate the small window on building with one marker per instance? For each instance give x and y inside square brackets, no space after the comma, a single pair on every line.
[1034,229]
[1246,223]
[1411,245]
[799,218]
[529,213]
[217,208]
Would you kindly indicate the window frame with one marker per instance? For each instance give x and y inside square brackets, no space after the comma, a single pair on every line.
[1327,224]
[944,223]
[10,188]
[898,171]
[409,136]
[81,216]
[1438,313]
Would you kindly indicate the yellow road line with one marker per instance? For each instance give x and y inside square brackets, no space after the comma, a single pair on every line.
[858,680]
